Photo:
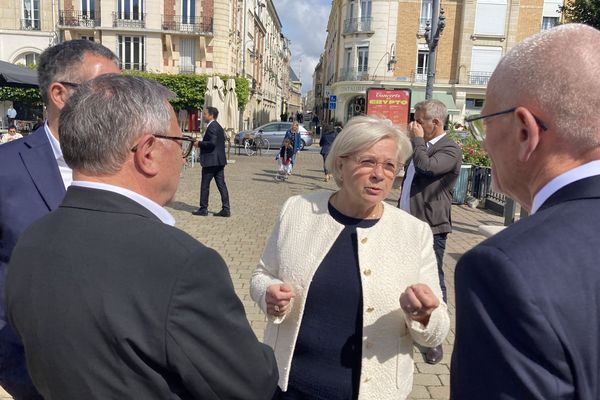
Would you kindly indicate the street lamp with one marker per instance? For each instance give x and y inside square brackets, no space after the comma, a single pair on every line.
[432,37]
[391,60]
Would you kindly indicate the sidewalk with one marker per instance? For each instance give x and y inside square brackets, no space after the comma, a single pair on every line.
[255,203]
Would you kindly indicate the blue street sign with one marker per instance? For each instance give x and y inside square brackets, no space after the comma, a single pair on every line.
[332,99]
[332,106]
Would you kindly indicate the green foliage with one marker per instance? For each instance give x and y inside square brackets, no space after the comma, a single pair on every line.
[190,88]
[25,95]
[472,151]
[582,11]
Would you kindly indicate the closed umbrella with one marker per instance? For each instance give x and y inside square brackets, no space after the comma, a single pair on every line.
[230,113]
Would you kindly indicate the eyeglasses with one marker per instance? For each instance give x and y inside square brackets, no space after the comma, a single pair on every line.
[73,85]
[477,124]
[368,164]
[186,143]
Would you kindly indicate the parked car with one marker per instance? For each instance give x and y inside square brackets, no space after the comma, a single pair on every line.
[274,132]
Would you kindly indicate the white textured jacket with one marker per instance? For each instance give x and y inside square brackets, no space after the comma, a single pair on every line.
[393,254]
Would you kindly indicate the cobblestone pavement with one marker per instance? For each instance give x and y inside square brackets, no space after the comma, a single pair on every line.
[255,202]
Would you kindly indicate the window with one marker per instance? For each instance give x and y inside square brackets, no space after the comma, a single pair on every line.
[422,65]
[490,17]
[549,22]
[474,103]
[130,9]
[31,15]
[132,52]
[31,59]
[426,12]
[90,38]
[363,59]
[88,8]
[187,56]
[483,61]
[188,11]
[365,9]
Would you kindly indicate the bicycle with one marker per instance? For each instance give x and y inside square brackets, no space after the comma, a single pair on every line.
[255,144]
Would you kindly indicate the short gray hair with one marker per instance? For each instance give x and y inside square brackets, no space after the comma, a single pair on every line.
[361,133]
[104,117]
[557,71]
[433,109]
[61,62]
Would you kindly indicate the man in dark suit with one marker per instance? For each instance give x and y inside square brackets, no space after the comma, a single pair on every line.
[109,299]
[429,181]
[34,175]
[213,161]
[527,299]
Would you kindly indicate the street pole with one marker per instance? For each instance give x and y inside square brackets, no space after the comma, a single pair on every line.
[432,37]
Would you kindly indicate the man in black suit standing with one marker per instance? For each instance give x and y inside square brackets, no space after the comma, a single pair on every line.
[528,298]
[110,300]
[429,181]
[213,161]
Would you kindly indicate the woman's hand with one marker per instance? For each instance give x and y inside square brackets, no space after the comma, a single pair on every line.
[419,301]
[278,299]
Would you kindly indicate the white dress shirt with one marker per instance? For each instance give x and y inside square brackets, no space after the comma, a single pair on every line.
[583,171]
[410,175]
[145,202]
[66,173]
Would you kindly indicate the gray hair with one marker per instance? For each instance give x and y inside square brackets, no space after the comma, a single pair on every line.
[433,109]
[557,71]
[104,117]
[361,133]
[61,62]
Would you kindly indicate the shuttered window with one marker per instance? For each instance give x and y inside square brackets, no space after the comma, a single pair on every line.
[483,62]
[490,17]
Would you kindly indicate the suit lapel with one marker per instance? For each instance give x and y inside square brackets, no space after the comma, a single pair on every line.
[41,165]
[587,188]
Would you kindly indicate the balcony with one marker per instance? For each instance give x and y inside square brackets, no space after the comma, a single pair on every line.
[132,65]
[187,69]
[30,24]
[78,19]
[479,77]
[191,24]
[353,74]
[129,20]
[420,75]
[355,25]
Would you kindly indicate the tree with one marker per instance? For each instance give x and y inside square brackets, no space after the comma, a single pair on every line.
[582,11]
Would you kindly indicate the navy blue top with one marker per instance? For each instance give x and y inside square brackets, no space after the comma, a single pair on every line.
[327,357]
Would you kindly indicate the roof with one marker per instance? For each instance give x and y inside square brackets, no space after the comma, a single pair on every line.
[293,76]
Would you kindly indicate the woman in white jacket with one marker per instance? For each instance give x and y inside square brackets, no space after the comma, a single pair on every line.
[347,281]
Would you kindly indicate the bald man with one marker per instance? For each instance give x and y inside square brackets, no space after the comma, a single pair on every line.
[527,299]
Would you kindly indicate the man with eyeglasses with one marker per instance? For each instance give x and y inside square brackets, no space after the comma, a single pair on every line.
[527,299]
[111,300]
[428,183]
[34,176]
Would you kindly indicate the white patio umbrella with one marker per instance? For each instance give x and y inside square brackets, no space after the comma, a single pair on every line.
[230,118]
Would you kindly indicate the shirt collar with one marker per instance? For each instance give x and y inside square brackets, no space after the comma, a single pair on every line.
[145,202]
[583,171]
[53,142]
[436,139]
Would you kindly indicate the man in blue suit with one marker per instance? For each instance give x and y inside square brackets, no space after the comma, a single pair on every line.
[34,176]
[528,298]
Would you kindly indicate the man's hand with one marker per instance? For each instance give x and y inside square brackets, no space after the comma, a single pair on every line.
[415,130]
[418,301]
[278,299]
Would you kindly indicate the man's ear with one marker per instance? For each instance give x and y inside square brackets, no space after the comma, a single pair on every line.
[58,94]
[145,155]
[529,132]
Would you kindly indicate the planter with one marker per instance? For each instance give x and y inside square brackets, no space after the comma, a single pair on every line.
[462,184]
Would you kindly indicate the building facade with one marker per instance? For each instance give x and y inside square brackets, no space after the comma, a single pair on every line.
[230,37]
[381,44]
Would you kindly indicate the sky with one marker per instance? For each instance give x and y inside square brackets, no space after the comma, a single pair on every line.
[304,23]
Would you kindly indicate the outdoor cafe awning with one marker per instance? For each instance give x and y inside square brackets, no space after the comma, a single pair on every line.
[446,98]
[15,76]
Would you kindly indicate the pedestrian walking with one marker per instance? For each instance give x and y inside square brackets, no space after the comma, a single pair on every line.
[293,134]
[325,143]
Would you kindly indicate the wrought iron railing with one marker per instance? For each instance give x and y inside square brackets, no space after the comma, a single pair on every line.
[479,77]
[420,75]
[480,185]
[129,19]
[78,18]
[187,69]
[352,25]
[187,24]
[30,24]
